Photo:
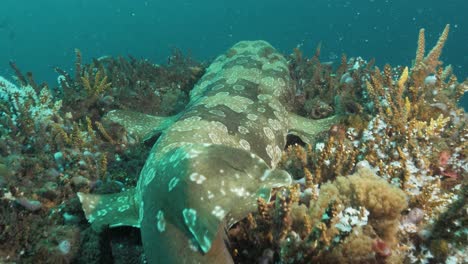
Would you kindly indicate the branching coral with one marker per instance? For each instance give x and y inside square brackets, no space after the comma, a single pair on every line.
[49,151]
[415,119]
[86,91]
[423,66]
[47,158]
[328,160]
[403,121]
[36,130]
[97,84]
[403,124]
[120,83]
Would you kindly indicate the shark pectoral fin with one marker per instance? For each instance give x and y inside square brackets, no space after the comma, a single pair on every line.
[219,251]
[233,179]
[264,185]
[172,245]
[140,125]
[203,226]
[307,129]
[276,178]
[273,179]
[111,210]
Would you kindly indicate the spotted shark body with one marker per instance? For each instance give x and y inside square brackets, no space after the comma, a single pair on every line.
[212,161]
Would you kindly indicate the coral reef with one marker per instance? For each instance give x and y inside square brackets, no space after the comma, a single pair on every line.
[387,184]
[340,225]
[403,124]
[53,144]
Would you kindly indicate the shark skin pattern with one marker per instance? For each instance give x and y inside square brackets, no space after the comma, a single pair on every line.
[212,161]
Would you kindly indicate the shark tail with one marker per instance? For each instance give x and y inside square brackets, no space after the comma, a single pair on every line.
[173,246]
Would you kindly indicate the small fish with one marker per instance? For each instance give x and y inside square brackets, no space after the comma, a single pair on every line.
[212,161]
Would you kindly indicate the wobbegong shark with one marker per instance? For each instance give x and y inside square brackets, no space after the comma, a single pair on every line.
[212,161]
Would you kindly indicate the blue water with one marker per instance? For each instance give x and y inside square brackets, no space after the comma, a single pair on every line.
[39,35]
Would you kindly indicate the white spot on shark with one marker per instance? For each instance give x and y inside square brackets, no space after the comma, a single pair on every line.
[192,153]
[173,182]
[269,133]
[277,154]
[275,124]
[219,212]
[275,105]
[244,144]
[281,82]
[123,208]
[231,80]
[217,112]
[243,130]
[214,138]
[264,97]
[242,61]
[219,126]
[101,212]
[121,199]
[252,117]
[267,81]
[218,87]
[198,178]
[161,222]
[274,152]
[148,173]
[174,157]
[280,116]
[141,213]
[269,151]
[210,195]
[238,87]
[240,191]
[190,216]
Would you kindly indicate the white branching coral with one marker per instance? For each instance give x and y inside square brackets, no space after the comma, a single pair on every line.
[350,217]
[25,100]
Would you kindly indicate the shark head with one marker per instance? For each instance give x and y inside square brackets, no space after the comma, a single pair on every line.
[204,186]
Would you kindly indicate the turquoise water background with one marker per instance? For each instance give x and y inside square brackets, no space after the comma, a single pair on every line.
[39,35]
